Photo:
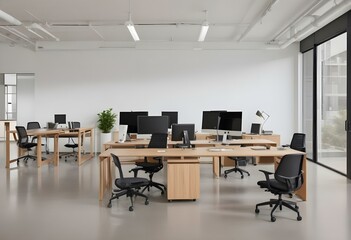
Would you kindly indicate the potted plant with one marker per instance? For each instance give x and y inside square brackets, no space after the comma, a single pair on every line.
[106,121]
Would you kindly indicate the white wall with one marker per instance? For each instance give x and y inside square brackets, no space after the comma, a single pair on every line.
[83,83]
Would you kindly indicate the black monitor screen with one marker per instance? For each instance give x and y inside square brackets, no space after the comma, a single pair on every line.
[210,119]
[255,128]
[178,129]
[131,119]
[152,124]
[230,121]
[60,118]
[172,118]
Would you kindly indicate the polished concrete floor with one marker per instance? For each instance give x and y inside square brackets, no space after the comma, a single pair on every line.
[62,203]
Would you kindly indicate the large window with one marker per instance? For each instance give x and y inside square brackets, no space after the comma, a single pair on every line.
[307,106]
[331,103]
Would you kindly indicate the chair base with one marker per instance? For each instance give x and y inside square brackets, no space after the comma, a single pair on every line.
[236,169]
[151,183]
[116,193]
[156,185]
[26,157]
[70,154]
[280,203]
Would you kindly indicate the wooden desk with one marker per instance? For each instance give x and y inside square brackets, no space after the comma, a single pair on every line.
[80,133]
[197,143]
[105,161]
[39,133]
[272,137]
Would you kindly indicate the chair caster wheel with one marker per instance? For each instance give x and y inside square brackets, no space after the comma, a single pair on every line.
[146,202]
[131,209]
[296,207]
[273,219]
[299,218]
[109,205]
[257,210]
[248,174]
[242,177]
[225,175]
[162,192]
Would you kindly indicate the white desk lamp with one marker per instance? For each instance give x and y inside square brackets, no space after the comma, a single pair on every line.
[265,117]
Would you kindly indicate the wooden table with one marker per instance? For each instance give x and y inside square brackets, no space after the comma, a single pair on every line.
[39,133]
[197,143]
[80,133]
[105,161]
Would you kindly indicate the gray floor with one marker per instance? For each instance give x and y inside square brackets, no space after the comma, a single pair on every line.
[62,203]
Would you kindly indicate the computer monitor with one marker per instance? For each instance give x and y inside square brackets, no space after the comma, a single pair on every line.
[178,131]
[152,124]
[172,118]
[210,120]
[230,123]
[255,128]
[60,118]
[131,119]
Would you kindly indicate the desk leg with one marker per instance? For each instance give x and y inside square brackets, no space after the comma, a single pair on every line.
[302,192]
[92,142]
[7,129]
[101,190]
[105,176]
[216,166]
[56,151]
[39,151]
[79,154]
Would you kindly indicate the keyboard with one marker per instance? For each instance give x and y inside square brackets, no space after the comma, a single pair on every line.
[220,149]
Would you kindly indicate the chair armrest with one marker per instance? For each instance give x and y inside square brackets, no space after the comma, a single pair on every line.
[288,180]
[266,174]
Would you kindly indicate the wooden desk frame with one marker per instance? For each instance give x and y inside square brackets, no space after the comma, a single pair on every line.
[106,173]
[55,134]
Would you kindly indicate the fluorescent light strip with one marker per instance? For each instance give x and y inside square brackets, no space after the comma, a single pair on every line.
[38,35]
[132,31]
[203,32]
[37,26]
[8,18]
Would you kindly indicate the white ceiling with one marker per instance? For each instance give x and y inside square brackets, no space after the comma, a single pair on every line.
[83,24]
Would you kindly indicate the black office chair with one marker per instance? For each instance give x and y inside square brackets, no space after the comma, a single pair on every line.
[298,142]
[158,140]
[129,186]
[24,143]
[36,125]
[288,178]
[237,162]
[71,143]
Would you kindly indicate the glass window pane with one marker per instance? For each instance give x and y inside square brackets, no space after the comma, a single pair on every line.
[331,103]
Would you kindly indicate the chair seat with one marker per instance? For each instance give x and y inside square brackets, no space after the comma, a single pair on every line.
[28,145]
[131,182]
[275,185]
[71,145]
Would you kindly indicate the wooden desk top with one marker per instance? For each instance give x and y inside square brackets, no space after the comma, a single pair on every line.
[197,152]
[60,131]
[195,142]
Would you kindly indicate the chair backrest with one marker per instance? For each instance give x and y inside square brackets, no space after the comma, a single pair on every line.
[22,135]
[298,142]
[290,167]
[158,140]
[33,125]
[118,165]
[74,125]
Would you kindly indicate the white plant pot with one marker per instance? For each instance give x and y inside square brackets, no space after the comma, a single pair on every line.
[104,138]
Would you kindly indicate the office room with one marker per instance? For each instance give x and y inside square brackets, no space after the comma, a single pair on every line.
[263,59]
